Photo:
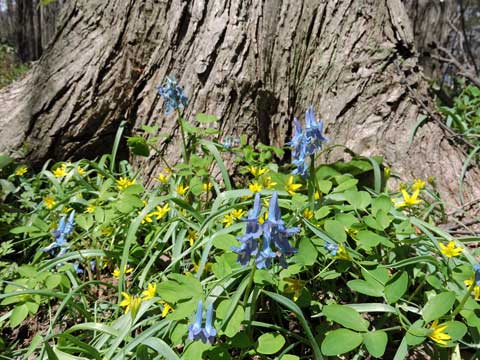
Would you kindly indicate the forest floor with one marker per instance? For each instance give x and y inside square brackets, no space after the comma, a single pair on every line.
[11,68]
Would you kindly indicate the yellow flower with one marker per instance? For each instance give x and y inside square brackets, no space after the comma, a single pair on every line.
[387,171]
[268,183]
[116,272]
[419,184]
[238,213]
[255,187]
[450,250]
[90,208]
[124,183]
[150,292]
[291,187]
[308,214]
[21,170]
[162,178]
[131,303]
[316,196]
[160,211]
[49,202]
[408,200]
[263,218]
[438,333]
[106,231]
[256,171]
[294,287]
[60,171]
[207,267]
[166,308]
[476,288]
[182,190]
[66,209]
[228,220]
[192,236]
[81,171]
[206,187]
[342,253]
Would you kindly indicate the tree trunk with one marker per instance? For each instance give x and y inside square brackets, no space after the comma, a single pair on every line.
[255,64]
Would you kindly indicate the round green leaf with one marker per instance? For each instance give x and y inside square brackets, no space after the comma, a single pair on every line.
[364,287]
[396,287]
[340,341]
[376,342]
[270,343]
[345,316]
[19,314]
[438,306]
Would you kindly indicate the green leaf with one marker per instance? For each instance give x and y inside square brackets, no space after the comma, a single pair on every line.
[340,341]
[376,343]
[455,329]
[348,184]
[364,287]
[19,313]
[325,186]
[416,334]
[270,343]
[138,145]
[358,199]
[307,253]
[368,239]
[396,287]
[196,186]
[180,288]
[205,119]
[53,281]
[234,323]
[224,241]
[438,306]
[4,161]
[336,230]
[382,202]
[345,316]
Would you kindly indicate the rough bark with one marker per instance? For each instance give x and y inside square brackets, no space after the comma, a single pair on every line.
[28,26]
[254,64]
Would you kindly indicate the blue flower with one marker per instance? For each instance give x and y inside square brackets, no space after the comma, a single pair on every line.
[477,274]
[173,96]
[249,242]
[306,142]
[274,231]
[78,269]
[331,248]
[60,235]
[229,142]
[195,330]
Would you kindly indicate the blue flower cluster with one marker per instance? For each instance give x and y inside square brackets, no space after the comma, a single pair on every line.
[271,232]
[195,330]
[173,96]
[60,234]
[305,143]
[331,248]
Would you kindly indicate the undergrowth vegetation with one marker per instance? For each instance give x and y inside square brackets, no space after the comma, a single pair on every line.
[10,67]
[295,261]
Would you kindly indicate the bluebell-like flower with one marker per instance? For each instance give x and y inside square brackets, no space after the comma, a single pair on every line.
[60,235]
[306,142]
[275,233]
[195,330]
[78,269]
[173,96]
[331,248]
[209,331]
[249,242]
[477,274]
[230,142]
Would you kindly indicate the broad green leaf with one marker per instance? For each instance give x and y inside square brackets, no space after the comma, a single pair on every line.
[358,199]
[396,287]
[348,184]
[382,202]
[180,288]
[205,119]
[53,281]
[376,343]
[336,230]
[234,323]
[368,239]
[224,241]
[307,253]
[340,341]
[19,313]
[455,329]
[438,306]
[270,343]
[345,316]
[138,145]
[325,186]
[364,287]
[416,334]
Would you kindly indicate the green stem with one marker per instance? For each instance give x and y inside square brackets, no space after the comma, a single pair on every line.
[464,300]
[182,133]
[249,286]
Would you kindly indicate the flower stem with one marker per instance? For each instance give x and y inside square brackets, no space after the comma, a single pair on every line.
[185,153]
[464,300]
